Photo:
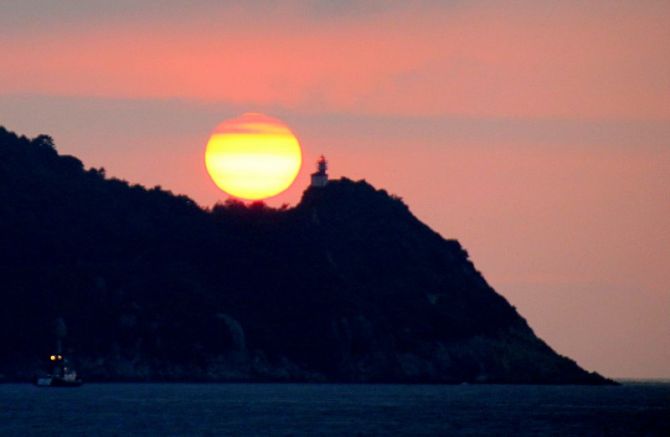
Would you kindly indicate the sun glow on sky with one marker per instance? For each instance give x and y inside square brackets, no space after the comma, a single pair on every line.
[253,156]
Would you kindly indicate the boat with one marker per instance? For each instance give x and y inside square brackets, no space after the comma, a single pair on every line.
[62,374]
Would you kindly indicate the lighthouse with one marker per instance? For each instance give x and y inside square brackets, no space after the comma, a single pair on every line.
[320,177]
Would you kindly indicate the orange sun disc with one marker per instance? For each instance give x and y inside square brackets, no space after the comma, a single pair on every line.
[253,156]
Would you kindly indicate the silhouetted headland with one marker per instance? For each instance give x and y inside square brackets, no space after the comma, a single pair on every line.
[347,286]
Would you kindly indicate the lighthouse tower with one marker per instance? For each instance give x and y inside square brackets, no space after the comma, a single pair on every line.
[320,177]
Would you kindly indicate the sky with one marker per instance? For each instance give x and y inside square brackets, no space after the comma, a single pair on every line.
[537,133]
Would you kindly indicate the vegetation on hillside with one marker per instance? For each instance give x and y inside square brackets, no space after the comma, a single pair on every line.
[346,286]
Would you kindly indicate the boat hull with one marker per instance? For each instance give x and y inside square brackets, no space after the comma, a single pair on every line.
[57,382]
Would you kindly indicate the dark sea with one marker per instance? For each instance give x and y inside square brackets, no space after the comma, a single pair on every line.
[334,409]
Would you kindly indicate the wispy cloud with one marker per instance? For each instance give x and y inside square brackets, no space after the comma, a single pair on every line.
[527,59]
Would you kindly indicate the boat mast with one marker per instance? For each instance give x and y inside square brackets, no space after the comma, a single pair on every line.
[61,332]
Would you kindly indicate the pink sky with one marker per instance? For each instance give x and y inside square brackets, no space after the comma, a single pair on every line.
[537,133]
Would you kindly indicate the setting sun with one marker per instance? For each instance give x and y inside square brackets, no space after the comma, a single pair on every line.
[253,156]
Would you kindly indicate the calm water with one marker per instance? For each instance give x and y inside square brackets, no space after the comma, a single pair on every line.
[300,409]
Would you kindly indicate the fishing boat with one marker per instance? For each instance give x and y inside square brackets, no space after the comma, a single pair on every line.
[62,374]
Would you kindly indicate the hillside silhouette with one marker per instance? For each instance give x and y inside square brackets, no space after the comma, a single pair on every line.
[346,286]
